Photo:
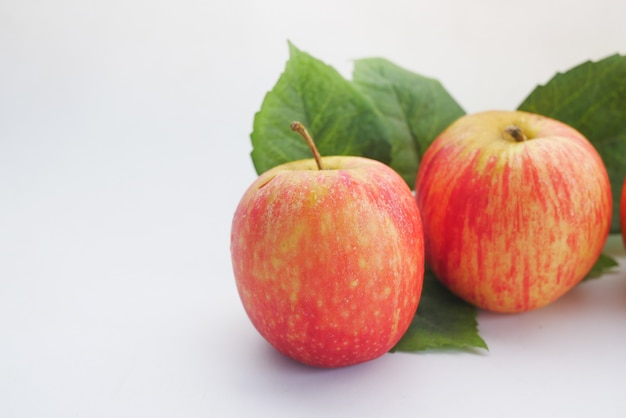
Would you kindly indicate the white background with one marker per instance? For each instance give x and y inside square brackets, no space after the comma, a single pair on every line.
[124,149]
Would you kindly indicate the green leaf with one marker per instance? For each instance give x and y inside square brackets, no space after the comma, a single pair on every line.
[340,118]
[415,108]
[591,97]
[442,321]
[604,265]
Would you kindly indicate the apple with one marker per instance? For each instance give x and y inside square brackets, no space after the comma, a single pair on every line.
[622,212]
[328,258]
[516,208]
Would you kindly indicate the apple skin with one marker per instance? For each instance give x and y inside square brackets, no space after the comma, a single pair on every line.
[329,264]
[622,212]
[512,226]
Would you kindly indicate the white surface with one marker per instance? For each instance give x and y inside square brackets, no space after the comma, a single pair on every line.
[124,142]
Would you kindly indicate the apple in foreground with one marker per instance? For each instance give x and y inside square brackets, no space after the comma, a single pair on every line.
[329,262]
[516,208]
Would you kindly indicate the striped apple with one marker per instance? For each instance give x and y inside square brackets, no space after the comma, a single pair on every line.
[516,208]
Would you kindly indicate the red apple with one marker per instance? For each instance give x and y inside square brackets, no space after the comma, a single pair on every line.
[516,208]
[622,212]
[329,262]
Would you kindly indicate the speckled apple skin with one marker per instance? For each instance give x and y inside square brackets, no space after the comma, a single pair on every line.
[329,264]
[512,226]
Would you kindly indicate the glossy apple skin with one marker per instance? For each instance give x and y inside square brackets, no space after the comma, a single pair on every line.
[329,264]
[512,226]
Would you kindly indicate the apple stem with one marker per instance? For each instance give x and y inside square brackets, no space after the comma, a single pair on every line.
[516,133]
[299,128]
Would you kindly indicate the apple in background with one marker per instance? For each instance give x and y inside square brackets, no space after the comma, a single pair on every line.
[516,208]
[329,261]
[622,212]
